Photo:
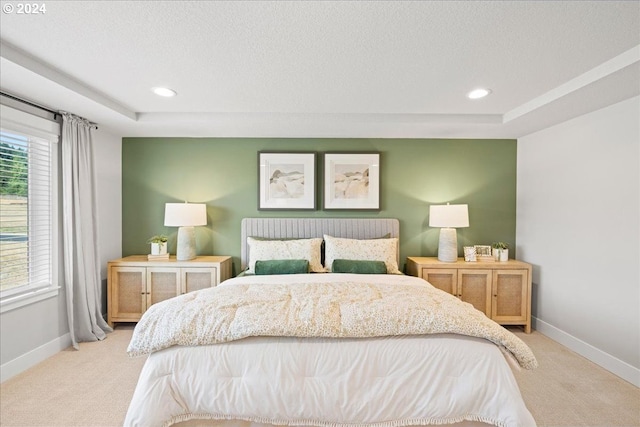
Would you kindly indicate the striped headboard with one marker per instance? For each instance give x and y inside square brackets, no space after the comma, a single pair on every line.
[304,228]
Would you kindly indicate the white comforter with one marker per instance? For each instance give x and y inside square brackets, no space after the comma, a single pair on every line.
[384,381]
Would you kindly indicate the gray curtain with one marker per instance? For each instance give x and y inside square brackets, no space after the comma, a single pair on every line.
[80,236]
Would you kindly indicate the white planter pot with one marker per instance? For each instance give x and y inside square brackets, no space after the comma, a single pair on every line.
[500,254]
[159,248]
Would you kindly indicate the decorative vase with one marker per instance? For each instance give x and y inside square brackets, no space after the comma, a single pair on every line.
[159,248]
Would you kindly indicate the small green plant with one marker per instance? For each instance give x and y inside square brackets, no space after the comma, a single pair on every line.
[500,245]
[159,238]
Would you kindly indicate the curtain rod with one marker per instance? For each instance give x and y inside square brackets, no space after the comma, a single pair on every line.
[32,104]
[24,101]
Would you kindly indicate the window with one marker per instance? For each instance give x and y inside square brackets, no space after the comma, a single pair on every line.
[28,205]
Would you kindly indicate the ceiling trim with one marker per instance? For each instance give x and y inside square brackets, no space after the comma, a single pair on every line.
[190,117]
[34,65]
[599,72]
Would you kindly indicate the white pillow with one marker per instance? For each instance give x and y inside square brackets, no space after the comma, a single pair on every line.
[369,250]
[263,250]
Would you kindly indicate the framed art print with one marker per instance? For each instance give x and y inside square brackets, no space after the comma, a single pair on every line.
[286,181]
[469,253]
[483,253]
[351,181]
[483,250]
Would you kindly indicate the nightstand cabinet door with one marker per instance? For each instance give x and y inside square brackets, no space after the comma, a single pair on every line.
[162,284]
[474,287]
[194,279]
[443,279]
[510,296]
[135,283]
[129,292]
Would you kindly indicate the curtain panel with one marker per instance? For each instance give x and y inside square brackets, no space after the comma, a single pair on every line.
[80,233]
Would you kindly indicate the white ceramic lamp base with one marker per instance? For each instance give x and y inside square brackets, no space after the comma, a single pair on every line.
[448,245]
[186,244]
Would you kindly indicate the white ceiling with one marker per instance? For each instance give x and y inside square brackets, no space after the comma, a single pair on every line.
[323,68]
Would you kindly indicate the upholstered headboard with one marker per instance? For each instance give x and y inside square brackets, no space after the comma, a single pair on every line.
[304,228]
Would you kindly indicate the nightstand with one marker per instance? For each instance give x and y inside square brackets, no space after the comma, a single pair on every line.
[501,290]
[134,283]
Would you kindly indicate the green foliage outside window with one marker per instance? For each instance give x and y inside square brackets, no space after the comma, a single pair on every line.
[13,164]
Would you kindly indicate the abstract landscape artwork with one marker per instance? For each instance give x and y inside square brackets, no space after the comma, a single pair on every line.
[352,181]
[286,181]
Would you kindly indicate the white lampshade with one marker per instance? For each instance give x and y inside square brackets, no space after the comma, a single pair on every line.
[185,214]
[448,216]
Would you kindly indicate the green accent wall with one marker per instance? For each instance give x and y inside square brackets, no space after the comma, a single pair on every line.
[222,172]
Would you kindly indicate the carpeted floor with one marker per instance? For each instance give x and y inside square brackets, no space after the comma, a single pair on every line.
[568,390]
[92,387]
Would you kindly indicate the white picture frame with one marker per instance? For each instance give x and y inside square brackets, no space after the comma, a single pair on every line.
[286,180]
[351,181]
[469,253]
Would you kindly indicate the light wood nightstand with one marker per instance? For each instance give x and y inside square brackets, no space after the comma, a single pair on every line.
[501,290]
[134,283]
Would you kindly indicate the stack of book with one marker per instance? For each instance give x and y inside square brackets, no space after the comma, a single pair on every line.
[163,257]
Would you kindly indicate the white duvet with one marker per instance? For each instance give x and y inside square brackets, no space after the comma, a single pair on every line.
[376,381]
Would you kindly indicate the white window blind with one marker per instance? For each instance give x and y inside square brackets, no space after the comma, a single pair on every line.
[25,213]
[28,208]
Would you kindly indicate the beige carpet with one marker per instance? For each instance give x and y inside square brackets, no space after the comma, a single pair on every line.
[93,386]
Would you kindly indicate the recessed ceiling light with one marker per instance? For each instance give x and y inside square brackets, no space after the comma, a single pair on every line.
[163,91]
[478,93]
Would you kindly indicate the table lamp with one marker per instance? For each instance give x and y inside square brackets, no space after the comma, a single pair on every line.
[448,218]
[186,216]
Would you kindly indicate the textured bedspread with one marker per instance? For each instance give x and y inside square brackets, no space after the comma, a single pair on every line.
[330,306]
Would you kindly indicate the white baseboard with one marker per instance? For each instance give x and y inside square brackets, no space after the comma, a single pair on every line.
[610,363]
[32,358]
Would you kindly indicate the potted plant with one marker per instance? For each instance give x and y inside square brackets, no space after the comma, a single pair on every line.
[500,251]
[158,244]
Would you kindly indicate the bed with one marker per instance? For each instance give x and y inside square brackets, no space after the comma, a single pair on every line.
[346,347]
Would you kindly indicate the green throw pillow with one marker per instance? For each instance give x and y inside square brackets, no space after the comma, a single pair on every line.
[358,267]
[282,266]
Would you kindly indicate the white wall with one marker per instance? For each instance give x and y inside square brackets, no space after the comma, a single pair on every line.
[578,215]
[108,154]
[30,334]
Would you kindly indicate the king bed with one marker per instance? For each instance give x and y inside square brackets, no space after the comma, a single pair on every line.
[322,329]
